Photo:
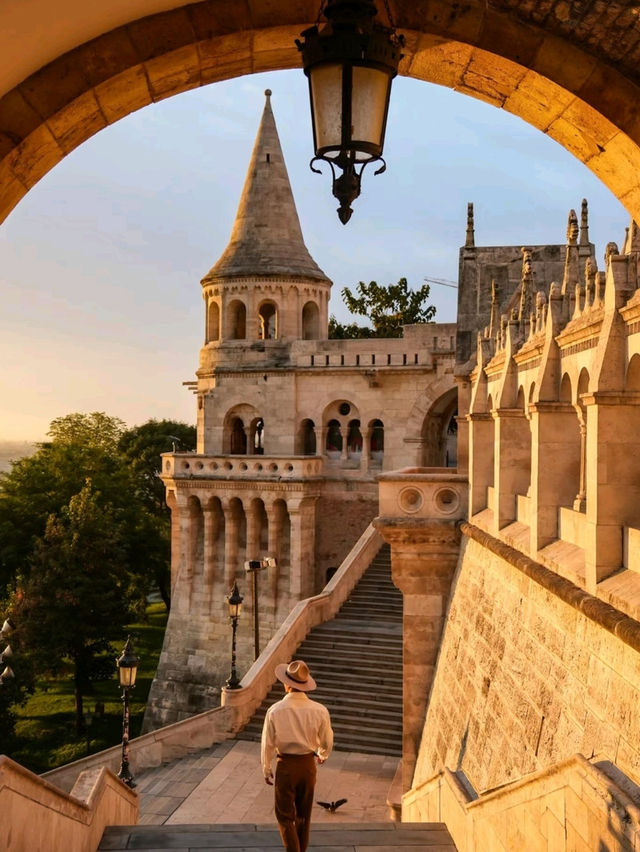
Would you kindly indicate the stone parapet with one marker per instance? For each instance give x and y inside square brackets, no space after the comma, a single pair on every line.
[574,804]
[180,466]
[39,816]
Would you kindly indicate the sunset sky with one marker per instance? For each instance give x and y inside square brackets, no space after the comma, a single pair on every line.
[100,264]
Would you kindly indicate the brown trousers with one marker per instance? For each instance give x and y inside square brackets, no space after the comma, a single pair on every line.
[294,787]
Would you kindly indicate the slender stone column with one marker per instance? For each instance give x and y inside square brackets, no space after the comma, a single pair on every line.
[580,502]
[274,535]
[184,543]
[366,451]
[231,530]
[302,549]
[253,532]
[211,530]
[343,451]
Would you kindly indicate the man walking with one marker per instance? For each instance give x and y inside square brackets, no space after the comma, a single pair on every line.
[297,731]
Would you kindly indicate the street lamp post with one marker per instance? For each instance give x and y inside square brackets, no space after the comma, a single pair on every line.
[234,601]
[127,664]
[253,566]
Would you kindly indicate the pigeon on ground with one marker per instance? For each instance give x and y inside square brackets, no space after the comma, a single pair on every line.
[332,807]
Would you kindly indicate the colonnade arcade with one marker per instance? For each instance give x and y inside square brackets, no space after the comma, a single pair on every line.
[213,536]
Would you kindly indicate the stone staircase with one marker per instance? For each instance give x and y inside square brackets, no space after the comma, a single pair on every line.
[345,837]
[356,660]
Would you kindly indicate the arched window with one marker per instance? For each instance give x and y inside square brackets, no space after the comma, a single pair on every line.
[310,321]
[376,442]
[307,441]
[633,374]
[238,438]
[354,439]
[213,327]
[237,320]
[334,439]
[268,315]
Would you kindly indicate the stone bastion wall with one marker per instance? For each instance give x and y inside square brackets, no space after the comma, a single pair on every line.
[531,671]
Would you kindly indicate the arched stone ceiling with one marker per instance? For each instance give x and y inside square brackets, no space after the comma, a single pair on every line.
[568,67]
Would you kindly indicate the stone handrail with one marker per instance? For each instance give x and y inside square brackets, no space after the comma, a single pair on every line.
[593,802]
[238,705]
[38,816]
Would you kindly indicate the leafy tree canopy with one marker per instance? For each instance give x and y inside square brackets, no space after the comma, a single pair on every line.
[388,308]
[96,430]
[142,446]
[78,596]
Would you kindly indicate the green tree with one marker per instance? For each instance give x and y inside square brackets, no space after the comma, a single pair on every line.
[388,308]
[91,430]
[42,484]
[141,447]
[78,596]
[348,331]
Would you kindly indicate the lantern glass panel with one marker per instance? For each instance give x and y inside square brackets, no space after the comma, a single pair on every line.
[234,609]
[127,676]
[326,96]
[368,107]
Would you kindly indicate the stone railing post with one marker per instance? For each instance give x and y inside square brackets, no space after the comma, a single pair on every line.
[419,514]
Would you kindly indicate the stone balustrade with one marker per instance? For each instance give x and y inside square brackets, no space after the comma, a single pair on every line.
[39,816]
[193,466]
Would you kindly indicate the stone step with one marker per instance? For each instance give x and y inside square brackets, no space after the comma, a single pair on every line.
[329,641]
[318,653]
[382,716]
[356,659]
[341,837]
[365,634]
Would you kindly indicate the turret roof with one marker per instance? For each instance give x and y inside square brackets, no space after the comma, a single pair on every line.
[266,239]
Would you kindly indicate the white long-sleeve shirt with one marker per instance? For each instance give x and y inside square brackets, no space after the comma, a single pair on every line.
[295,725]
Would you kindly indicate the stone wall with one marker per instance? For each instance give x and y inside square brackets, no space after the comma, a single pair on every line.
[341,518]
[530,672]
[574,806]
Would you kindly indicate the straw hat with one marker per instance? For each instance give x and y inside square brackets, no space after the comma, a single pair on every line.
[296,675]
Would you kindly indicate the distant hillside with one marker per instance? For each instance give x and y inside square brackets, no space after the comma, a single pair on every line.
[12,450]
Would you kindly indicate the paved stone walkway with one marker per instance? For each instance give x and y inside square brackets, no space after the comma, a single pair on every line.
[224,785]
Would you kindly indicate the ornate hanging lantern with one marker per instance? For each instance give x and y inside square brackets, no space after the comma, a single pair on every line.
[350,64]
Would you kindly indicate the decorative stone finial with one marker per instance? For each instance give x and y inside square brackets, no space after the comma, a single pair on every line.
[268,92]
[584,223]
[470,238]
[572,228]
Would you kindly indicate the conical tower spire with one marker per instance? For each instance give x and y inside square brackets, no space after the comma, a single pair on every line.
[266,239]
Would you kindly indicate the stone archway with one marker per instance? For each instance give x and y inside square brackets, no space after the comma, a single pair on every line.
[553,67]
